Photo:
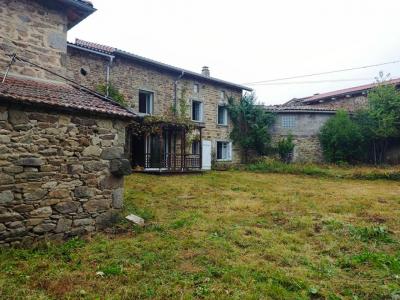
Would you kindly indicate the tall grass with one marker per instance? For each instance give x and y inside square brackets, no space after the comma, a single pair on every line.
[332,171]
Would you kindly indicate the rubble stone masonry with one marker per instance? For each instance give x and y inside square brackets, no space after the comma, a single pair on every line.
[131,77]
[56,174]
[35,33]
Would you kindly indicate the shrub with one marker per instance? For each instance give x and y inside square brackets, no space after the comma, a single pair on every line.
[285,148]
[341,139]
[113,93]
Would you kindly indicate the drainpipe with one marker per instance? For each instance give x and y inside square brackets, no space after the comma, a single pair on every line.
[176,91]
[110,57]
[110,62]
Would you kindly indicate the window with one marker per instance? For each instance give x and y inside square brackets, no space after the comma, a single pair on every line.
[196,147]
[288,121]
[146,102]
[197,111]
[224,151]
[196,88]
[222,115]
[223,95]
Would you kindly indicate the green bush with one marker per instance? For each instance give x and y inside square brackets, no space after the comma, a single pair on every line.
[341,139]
[285,148]
[113,93]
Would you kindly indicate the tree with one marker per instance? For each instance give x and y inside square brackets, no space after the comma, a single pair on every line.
[113,93]
[251,125]
[341,139]
[382,119]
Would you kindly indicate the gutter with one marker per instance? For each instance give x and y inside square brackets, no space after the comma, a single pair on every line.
[110,62]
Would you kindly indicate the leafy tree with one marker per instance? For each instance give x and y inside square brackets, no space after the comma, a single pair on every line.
[113,93]
[285,148]
[381,121]
[251,125]
[341,139]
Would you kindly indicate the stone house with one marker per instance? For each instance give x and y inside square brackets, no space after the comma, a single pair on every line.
[156,89]
[61,145]
[303,118]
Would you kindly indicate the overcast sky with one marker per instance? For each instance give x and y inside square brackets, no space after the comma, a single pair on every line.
[255,40]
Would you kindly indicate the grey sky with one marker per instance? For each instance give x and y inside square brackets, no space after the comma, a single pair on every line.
[255,40]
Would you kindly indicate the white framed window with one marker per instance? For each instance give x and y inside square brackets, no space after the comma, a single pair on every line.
[224,151]
[288,121]
[197,111]
[196,147]
[222,115]
[196,88]
[146,102]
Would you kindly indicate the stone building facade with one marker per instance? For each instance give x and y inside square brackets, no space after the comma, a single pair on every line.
[37,33]
[89,64]
[61,147]
[304,126]
[55,178]
[304,117]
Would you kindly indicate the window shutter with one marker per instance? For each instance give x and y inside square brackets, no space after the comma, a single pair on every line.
[230,151]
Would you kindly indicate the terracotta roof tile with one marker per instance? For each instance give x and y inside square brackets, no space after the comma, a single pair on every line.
[299,108]
[60,95]
[348,91]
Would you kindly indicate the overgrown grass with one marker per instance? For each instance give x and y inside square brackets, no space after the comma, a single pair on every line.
[333,171]
[227,235]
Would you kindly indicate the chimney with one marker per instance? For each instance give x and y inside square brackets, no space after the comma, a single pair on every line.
[205,71]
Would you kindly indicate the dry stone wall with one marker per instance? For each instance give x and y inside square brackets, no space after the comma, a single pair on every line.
[60,174]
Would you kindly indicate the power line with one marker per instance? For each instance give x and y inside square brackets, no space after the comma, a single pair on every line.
[322,73]
[313,81]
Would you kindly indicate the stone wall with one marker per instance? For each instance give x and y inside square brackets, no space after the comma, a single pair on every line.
[35,33]
[305,134]
[130,77]
[56,174]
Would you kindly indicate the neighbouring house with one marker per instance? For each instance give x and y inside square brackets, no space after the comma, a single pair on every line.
[61,145]
[155,90]
[303,118]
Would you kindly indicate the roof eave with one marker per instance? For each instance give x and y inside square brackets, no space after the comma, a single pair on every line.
[180,70]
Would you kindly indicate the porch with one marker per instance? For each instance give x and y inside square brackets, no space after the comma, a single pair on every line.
[166,148]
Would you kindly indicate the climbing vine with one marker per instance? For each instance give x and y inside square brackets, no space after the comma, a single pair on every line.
[152,125]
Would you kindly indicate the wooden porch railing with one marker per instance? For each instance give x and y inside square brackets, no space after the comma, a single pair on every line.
[173,162]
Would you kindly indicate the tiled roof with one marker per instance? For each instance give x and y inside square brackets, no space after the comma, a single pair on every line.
[95,46]
[59,95]
[299,108]
[114,51]
[348,91]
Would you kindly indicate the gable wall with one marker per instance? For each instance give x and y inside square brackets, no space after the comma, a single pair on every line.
[35,33]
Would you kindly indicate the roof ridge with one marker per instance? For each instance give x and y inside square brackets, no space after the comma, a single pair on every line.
[112,51]
[344,91]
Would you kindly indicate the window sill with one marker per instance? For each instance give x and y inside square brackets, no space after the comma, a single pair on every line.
[222,125]
[224,160]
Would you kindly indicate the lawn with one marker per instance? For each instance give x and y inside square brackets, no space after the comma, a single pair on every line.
[227,235]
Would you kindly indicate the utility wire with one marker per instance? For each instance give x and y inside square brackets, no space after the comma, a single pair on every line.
[313,81]
[322,73]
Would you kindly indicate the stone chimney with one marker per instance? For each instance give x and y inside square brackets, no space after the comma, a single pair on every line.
[37,31]
[205,71]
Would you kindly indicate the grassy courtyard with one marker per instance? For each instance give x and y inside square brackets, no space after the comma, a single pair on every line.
[227,235]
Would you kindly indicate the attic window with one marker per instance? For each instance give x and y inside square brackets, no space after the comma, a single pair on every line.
[83,72]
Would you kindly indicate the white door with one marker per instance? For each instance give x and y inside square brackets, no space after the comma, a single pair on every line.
[206,146]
